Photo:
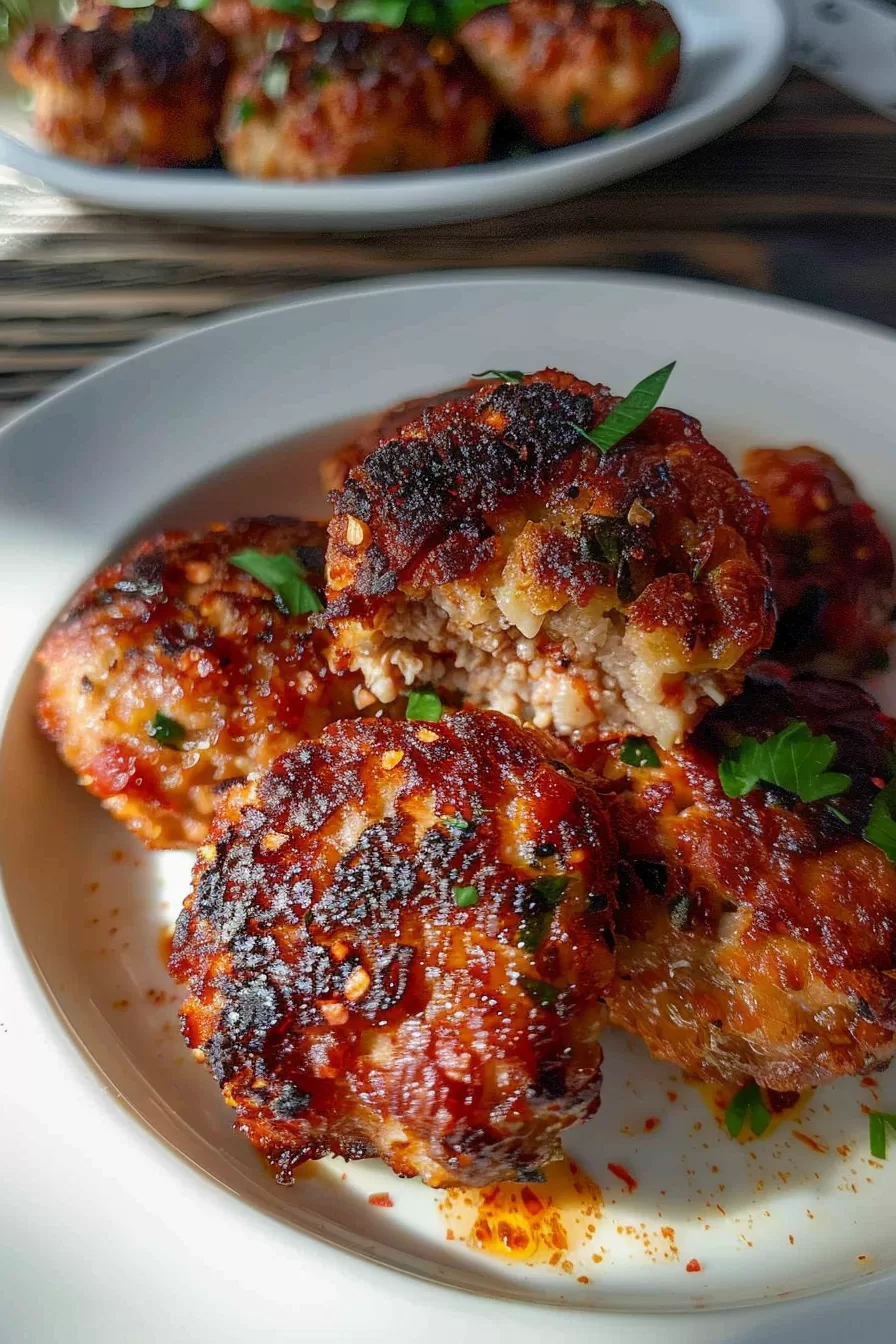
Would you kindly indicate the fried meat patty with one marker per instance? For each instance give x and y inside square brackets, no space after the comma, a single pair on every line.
[348,99]
[571,69]
[756,936]
[139,86]
[833,566]
[489,549]
[398,943]
[174,672]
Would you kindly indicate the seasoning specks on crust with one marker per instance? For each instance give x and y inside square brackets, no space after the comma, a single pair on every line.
[346,1001]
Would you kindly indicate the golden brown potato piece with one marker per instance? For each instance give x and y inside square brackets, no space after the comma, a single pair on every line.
[349,99]
[139,86]
[756,936]
[571,69]
[491,550]
[175,672]
[398,944]
[833,567]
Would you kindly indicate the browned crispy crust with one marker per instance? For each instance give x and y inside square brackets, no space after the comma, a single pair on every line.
[335,468]
[833,566]
[174,627]
[126,86]
[756,936]
[571,69]
[357,100]
[345,1002]
[498,491]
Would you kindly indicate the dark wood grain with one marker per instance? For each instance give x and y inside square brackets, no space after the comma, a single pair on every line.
[800,201]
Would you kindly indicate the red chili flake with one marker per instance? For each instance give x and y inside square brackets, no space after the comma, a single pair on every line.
[693,1267]
[651,1123]
[382,1201]
[875,779]
[809,1141]
[624,1175]
[870,1082]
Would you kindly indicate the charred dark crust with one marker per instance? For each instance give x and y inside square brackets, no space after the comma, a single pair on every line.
[661,518]
[137,51]
[277,927]
[374,58]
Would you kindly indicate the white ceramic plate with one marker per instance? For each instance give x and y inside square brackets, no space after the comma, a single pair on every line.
[232,419]
[733,61]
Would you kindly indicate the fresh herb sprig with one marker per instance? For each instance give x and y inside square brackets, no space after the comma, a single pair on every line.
[167,732]
[630,413]
[881,828]
[506,375]
[794,759]
[878,1123]
[638,752]
[424,706]
[747,1104]
[285,575]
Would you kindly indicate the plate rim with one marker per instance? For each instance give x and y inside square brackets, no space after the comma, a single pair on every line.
[39,993]
[384,201]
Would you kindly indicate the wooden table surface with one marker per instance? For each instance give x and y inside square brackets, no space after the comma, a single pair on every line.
[800,201]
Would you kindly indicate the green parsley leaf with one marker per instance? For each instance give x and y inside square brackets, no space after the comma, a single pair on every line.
[637,751]
[545,894]
[881,828]
[877,1132]
[835,812]
[665,44]
[794,759]
[275,80]
[747,1102]
[466,897]
[167,732]
[539,991]
[459,824]
[284,575]
[424,706]
[244,111]
[630,413]
[193,4]
[506,375]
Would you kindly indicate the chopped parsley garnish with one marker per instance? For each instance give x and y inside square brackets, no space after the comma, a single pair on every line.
[881,828]
[193,4]
[424,705]
[436,16]
[747,1104]
[637,751]
[539,991]
[275,80]
[459,824]
[544,895]
[167,732]
[284,575]
[630,413]
[466,897]
[680,911]
[506,375]
[835,812]
[794,759]
[244,111]
[877,1132]
[665,44]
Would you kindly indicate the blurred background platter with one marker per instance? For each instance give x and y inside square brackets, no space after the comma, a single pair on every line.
[734,57]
